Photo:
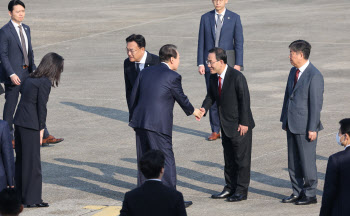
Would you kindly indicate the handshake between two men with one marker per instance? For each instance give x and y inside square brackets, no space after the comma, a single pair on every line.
[199,113]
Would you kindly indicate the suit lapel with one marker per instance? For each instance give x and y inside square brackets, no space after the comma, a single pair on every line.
[302,77]
[212,23]
[148,60]
[227,22]
[227,81]
[28,38]
[15,35]
[216,87]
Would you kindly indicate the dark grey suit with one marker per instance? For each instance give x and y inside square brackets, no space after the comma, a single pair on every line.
[301,113]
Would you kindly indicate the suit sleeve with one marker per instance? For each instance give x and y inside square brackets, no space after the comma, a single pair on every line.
[243,98]
[180,205]
[128,86]
[209,98]
[200,50]
[125,210]
[315,101]
[134,96]
[238,42]
[43,97]
[180,97]
[330,187]
[33,66]
[7,154]
[4,47]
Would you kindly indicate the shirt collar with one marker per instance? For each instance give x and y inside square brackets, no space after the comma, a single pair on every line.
[222,75]
[15,24]
[223,13]
[154,180]
[302,68]
[346,146]
[143,60]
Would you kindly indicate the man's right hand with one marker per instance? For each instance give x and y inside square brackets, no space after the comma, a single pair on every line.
[201,69]
[15,80]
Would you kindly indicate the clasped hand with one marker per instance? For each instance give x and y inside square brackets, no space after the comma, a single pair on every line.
[198,113]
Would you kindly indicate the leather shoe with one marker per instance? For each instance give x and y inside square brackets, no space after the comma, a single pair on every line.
[222,195]
[291,199]
[306,200]
[188,203]
[37,205]
[214,136]
[52,140]
[237,197]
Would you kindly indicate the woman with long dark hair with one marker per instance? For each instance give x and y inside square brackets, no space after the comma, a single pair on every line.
[29,124]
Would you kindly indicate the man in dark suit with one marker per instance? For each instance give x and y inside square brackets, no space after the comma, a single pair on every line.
[300,118]
[138,59]
[152,102]
[7,163]
[219,28]
[17,61]
[228,88]
[153,198]
[336,186]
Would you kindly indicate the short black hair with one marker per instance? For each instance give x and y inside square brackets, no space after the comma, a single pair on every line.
[10,202]
[345,126]
[139,39]
[220,54]
[166,52]
[152,163]
[301,46]
[13,3]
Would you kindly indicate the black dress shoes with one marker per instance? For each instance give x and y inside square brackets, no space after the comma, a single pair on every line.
[237,197]
[306,200]
[224,194]
[291,199]
[188,203]
[37,205]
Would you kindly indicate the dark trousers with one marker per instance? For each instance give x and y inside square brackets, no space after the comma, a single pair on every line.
[147,140]
[237,157]
[28,176]
[11,100]
[302,164]
[213,111]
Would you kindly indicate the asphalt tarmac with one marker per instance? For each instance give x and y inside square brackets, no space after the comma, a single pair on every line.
[96,164]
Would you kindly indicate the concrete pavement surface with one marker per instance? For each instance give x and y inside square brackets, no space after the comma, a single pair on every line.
[96,164]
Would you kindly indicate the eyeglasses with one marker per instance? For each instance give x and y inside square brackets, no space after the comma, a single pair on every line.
[209,62]
[131,50]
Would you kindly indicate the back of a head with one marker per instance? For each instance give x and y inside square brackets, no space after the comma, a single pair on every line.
[345,126]
[166,52]
[301,46]
[10,202]
[152,163]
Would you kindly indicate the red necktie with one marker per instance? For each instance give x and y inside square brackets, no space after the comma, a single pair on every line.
[296,77]
[219,86]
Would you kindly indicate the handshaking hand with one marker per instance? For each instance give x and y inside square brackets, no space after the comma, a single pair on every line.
[198,113]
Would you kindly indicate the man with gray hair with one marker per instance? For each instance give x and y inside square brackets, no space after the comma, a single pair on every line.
[300,118]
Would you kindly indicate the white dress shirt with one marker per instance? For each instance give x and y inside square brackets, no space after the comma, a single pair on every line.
[302,68]
[142,62]
[24,33]
[222,75]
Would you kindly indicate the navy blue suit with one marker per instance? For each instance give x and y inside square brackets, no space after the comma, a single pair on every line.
[231,38]
[336,186]
[29,119]
[7,163]
[12,62]
[152,102]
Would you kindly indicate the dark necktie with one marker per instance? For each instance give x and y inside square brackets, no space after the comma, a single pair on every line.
[219,86]
[138,67]
[296,77]
[218,30]
[23,42]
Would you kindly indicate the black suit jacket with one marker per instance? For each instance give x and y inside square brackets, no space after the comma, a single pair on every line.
[31,111]
[11,54]
[337,185]
[234,104]
[130,73]
[7,163]
[153,97]
[153,199]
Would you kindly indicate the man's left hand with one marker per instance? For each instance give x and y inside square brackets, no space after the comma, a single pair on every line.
[312,135]
[242,129]
[237,67]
